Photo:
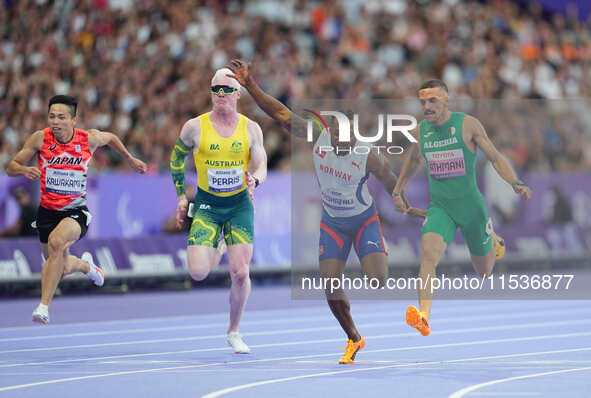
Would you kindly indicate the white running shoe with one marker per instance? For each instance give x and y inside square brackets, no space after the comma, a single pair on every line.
[95,273]
[41,314]
[235,341]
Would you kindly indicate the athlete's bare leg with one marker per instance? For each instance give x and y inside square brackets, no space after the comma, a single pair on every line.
[201,260]
[483,265]
[59,261]
[239,256]
[337,299]
[432,248]
[375,266]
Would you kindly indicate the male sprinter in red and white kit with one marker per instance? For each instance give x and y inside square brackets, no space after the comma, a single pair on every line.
[63,153]
[349,216]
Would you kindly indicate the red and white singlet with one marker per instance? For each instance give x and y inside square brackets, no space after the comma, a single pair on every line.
[64,170]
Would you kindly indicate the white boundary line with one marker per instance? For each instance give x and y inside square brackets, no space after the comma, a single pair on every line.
[194,326]
[363,315]
[446,345]
[480,342]
[314,329]
[467,390]
[225,391]
[288,331]
[358,309]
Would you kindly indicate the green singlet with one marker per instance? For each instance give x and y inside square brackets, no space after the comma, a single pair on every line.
[455,198]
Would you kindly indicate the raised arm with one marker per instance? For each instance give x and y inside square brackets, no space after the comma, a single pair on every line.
[295,124]
[98,138]
[478,135]
[258,158]
[18,165]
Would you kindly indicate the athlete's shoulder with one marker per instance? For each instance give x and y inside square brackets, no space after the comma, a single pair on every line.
[470,121]
[35,141]
[194,124]
[252,124]
[40,133]
[201,116]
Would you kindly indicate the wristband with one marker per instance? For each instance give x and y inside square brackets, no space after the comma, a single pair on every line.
[396,194]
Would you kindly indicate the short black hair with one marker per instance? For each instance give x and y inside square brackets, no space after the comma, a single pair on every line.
[434,83]
[67,100]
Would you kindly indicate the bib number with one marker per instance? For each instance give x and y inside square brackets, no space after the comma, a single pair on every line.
[225,180]
[446,164]
[65,182]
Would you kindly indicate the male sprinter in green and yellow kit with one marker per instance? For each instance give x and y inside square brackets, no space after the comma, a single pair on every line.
[224,144]
[448,141]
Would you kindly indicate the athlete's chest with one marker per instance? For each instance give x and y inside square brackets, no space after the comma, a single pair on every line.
[73,155]
[341,170]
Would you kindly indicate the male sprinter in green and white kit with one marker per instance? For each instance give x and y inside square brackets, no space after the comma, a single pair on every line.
[224,144]
[448,142]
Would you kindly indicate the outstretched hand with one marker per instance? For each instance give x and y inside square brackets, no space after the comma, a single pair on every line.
[400,203]
[250,184]
[241,71]
[181,211]
[138,165]
[32,173]
[522,190]
[416,213]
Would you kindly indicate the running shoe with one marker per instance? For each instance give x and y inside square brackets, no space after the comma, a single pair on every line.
[417,320]
[95,273]
[499,246]
[41,314]
[235,341]
[351,350]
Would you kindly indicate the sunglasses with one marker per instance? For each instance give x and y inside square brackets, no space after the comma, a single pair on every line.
[224,90]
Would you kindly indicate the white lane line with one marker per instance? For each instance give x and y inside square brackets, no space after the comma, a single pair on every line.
[312,329]
[21,386]
[216,394]
[468,390]
[322,341]
[508,394]
[358,311]
[196,318]
[245,324]
[447,345]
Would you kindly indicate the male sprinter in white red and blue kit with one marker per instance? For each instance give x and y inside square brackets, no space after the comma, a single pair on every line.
[63,153]
[349,215]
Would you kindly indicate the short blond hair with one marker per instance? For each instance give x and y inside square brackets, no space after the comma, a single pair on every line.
[221,74]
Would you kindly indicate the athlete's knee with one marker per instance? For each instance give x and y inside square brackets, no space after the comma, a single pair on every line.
[56,245]
[430,256]
[487,269]
[330,273]
[198,271]
[378,275]
[239,274]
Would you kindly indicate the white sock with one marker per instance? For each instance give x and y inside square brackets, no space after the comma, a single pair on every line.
[43,307]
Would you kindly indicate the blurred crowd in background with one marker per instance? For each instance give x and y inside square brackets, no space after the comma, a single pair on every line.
[142,68]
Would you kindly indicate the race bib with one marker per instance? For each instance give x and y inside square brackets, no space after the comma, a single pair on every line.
[64,182]
[337,201]
[446,164]
[225,180]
